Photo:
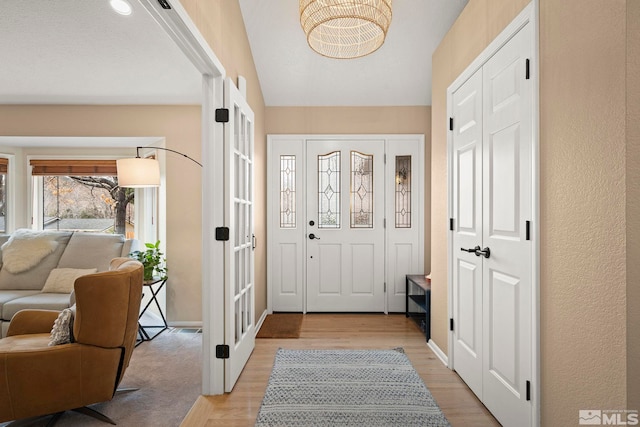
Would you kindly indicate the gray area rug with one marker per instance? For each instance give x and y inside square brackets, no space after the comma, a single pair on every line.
[167,372]
[346,388]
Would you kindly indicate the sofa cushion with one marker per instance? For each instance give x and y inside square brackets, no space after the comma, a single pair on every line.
[26,248]
[35,277]
[36,301]
[61,280]
[6,296]
[91,250]
[3,239]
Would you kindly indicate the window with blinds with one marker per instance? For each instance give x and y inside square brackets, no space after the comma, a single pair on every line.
[83,195]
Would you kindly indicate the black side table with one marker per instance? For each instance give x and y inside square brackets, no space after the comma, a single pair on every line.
[418,290]
[154,285]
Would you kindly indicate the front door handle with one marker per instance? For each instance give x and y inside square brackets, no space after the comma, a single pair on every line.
[313,236]
[486,252]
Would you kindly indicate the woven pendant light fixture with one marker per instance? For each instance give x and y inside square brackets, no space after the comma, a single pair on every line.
[345,29]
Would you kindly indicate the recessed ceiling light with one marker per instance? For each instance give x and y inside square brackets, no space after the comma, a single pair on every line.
[121,6]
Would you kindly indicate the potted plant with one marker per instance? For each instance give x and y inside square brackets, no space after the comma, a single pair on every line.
[153,261]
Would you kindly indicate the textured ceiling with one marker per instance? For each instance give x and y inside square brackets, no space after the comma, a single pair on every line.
[82,52]
[399,73]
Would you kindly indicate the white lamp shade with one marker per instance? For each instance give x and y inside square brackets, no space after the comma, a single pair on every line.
[138,172]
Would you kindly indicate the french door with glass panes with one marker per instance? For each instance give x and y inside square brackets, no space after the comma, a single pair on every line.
[345,225]
[239,257]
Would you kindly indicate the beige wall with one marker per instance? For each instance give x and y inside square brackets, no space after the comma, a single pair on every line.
[633,204]
[361,120]
[582,196]
[221,24]
[180,125]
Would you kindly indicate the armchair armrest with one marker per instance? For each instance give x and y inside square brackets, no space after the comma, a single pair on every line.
[32,322]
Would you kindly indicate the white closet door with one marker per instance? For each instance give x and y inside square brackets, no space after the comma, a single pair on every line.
[467,233]
[507,302]
[492,253]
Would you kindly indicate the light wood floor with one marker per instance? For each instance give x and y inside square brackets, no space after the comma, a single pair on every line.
[350,331]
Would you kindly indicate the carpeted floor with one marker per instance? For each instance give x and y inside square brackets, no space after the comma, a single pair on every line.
[168,373]
[281,325]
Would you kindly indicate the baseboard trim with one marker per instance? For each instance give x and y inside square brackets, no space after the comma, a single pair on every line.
[185,324]
[261,320]
[438,352]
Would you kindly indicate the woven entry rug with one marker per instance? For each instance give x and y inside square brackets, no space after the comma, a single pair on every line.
[347,388]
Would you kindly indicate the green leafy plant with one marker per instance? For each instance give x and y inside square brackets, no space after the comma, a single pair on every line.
[153,261]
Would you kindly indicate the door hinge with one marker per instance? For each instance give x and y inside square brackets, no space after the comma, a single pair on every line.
[222,115]
[164,4]
[384,223]
[222,351]
[451,224]
[527,73]
[385,287]
[528,230]
[528,390]
[222,234]
[385,158]
[450,123]
[451,324]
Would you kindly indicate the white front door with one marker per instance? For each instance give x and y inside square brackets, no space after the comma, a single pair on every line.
[239,284]
[372,200]
[345,226]
[492,251]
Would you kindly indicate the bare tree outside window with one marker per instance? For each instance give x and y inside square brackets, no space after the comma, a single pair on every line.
[89,203]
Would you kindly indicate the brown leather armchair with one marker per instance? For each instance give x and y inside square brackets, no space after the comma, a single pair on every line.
[36,379]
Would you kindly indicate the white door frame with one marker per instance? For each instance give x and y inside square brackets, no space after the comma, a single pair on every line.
[179,26]
[302,139]
[529,15]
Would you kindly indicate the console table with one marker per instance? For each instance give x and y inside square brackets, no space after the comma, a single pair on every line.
[418,290]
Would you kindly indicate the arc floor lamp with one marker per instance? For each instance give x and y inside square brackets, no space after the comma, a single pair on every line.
[141,172]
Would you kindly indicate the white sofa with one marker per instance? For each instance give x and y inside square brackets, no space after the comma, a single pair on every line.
[73,250]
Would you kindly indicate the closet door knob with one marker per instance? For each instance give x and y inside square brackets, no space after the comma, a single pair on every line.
[486,252]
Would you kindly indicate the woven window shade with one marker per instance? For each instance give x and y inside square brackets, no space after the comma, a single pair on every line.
[74,167]
[4,165]
[345,29]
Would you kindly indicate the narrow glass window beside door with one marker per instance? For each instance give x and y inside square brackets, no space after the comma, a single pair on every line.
[403,192]
[329,190]
[361,190]
[287,191]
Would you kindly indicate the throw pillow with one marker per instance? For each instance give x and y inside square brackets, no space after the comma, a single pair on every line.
[61,280]
[62,331]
